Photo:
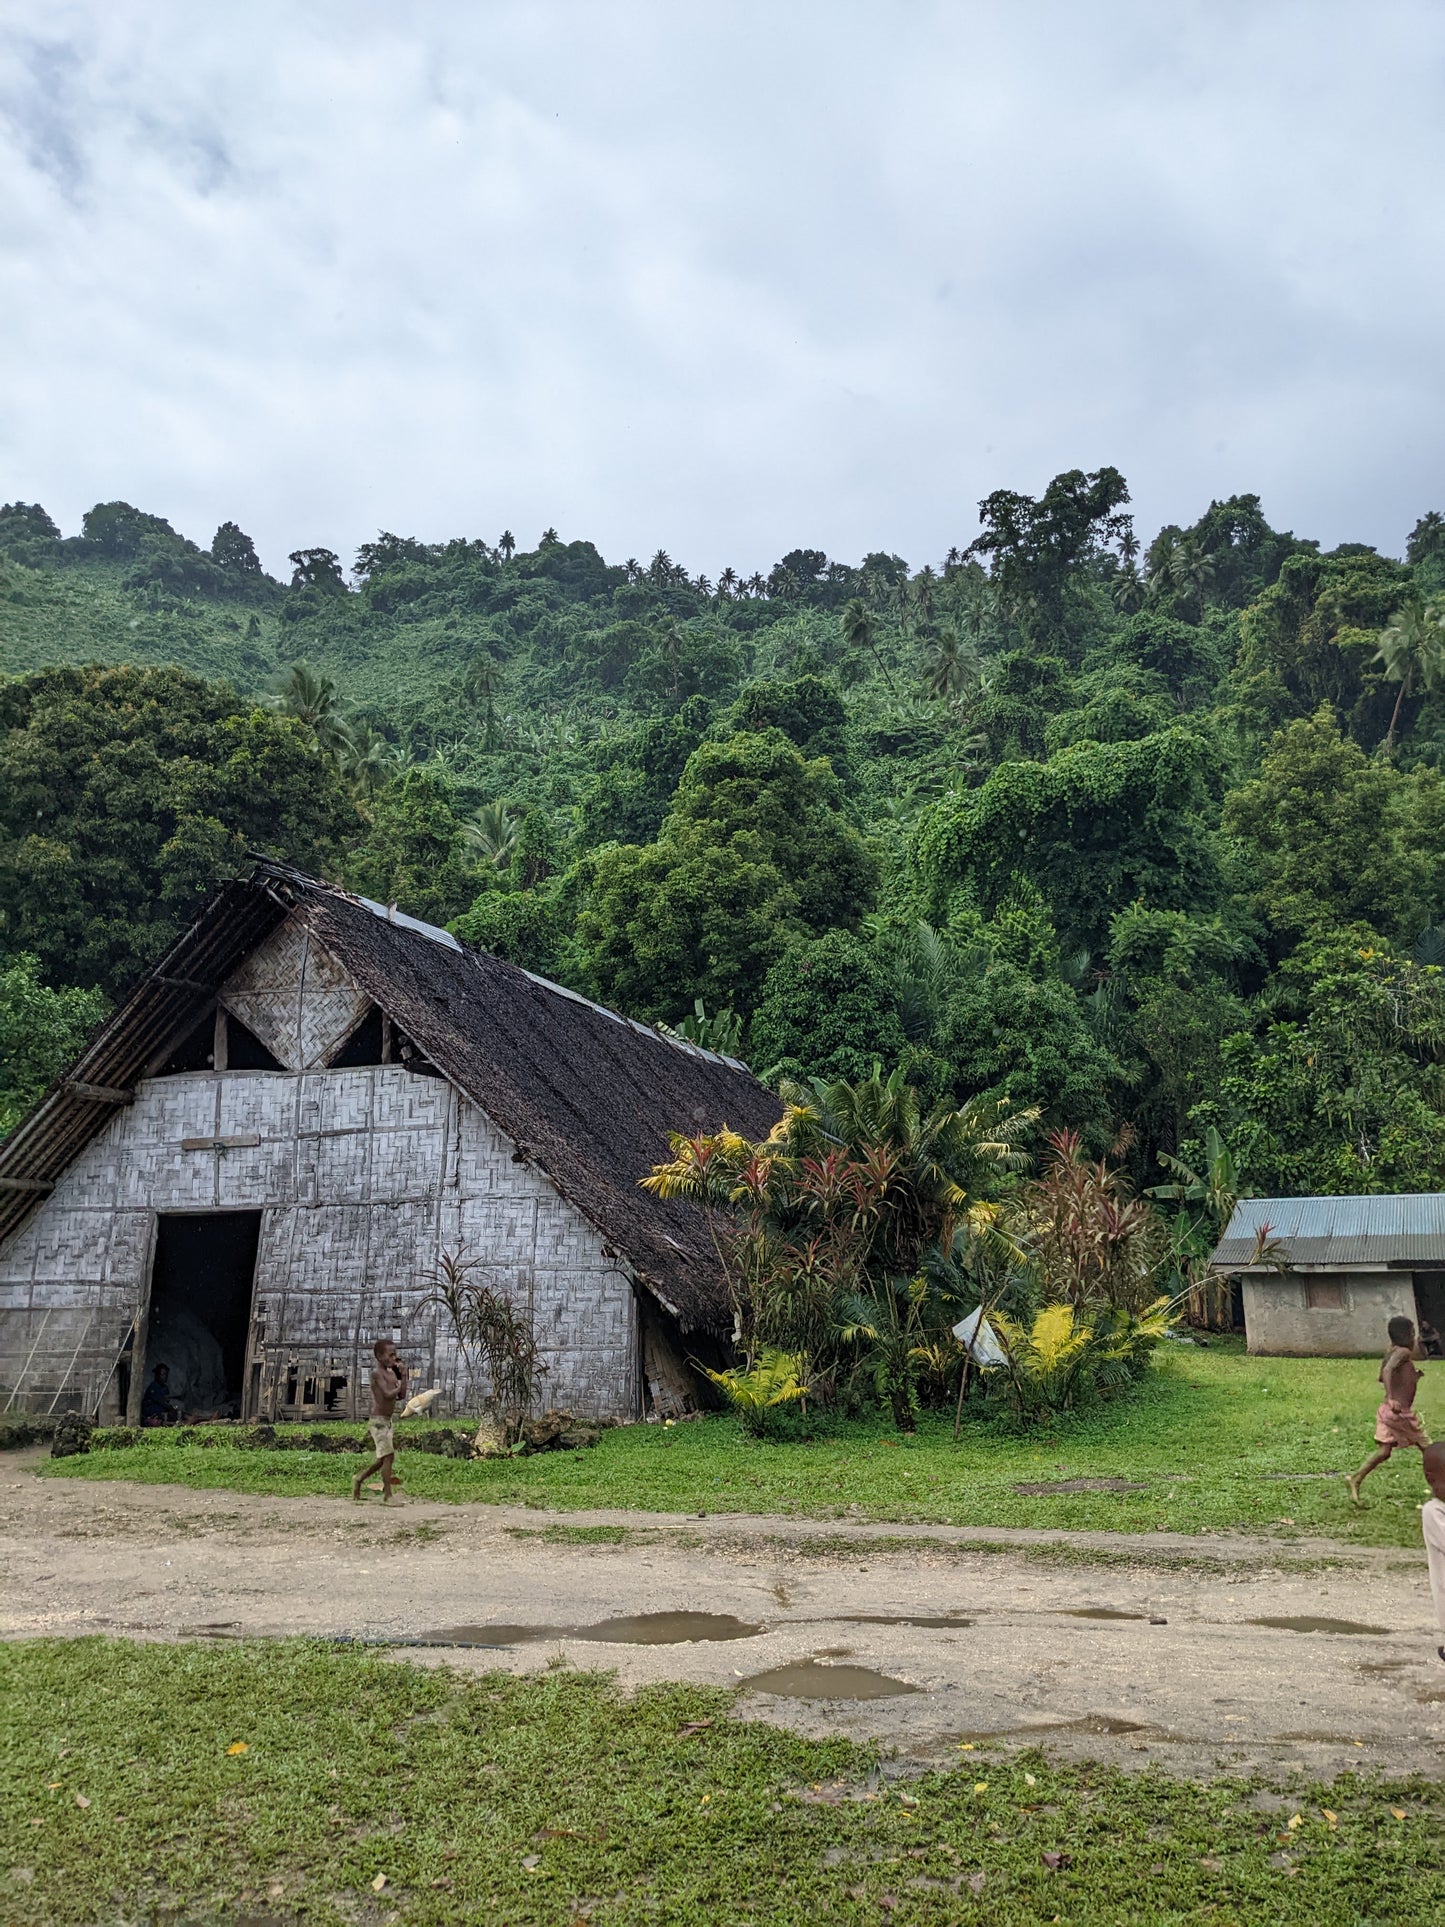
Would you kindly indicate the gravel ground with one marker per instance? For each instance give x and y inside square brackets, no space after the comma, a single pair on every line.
[1139,1649]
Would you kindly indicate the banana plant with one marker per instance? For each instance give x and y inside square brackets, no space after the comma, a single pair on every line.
[1214,1191]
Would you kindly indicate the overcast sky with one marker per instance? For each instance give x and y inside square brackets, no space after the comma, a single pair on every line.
[724,278]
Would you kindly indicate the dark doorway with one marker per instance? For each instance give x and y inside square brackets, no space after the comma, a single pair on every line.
[1430,1311]
[200,1308]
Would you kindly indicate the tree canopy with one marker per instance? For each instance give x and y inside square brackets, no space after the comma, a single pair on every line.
[1138,836]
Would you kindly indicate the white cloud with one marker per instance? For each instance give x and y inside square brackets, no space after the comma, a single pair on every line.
[722,280]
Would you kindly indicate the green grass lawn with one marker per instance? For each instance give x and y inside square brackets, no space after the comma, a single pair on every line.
[288,1782]
[1216,1440]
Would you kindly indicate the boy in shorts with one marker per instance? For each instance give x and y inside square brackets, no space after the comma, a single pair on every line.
[388,1384]
[1396,1422]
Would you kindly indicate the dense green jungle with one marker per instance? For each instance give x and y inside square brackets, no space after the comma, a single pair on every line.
[1148,839]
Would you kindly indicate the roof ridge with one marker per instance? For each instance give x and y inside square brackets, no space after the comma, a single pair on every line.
[389,913]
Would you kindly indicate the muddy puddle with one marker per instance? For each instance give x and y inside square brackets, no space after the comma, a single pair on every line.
[806,1680]
[1099,1612]
[945,1622]
[1306,1623]
[1104,1725]
[636,1629]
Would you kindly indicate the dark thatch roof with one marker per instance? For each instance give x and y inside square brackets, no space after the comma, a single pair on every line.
[160,1007]
[587,1096]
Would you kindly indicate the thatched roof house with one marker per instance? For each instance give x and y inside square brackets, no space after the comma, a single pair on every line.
[256,1164]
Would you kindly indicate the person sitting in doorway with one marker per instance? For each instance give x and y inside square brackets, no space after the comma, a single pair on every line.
[1431,1343]
[157,1407]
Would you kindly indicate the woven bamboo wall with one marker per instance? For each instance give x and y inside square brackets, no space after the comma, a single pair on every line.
[364,1176]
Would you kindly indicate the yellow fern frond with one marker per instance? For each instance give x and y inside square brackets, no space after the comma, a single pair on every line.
[1055,1338]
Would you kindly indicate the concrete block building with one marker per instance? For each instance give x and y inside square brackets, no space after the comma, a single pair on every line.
[254,1169]
[1324,1276]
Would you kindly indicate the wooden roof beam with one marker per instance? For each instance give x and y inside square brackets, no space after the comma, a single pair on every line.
[97,1093]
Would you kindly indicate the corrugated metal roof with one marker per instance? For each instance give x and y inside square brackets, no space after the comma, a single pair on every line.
[1339,1231]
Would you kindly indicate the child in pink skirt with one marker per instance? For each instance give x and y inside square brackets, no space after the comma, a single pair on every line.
[1396,1422]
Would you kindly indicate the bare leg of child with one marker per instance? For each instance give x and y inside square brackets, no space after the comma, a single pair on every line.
[1375,1459]
[389,1479]
[360,1480]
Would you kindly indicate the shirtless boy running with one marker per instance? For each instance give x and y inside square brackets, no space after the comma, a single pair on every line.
[1396,1422]
[388,1384]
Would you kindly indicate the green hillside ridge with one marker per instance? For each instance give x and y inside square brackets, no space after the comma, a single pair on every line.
[1149,839]
[83,613]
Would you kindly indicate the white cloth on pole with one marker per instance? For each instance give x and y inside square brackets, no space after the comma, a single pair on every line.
[1432,1524]
[977,1338]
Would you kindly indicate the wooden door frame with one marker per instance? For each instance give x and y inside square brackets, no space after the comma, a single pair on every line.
[143,1313]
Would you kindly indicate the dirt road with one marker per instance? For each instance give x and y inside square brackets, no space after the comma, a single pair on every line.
[1145,1650]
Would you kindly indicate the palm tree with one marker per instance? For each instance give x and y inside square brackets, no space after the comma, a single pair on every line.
[976,607]
[365,757]
[968,753]
[922,593]
[923,978]
[888,1322]
[1129,589]
[727,582]
[940,1158]
[1160,566]
[311,697]
[479,687]
[491,833]
[1193,567]
[674,647]
[549,538]
[1016,609]
[858,634]
[1412,647]
[1427,538]
[308,694]
[952,667]
[508,544]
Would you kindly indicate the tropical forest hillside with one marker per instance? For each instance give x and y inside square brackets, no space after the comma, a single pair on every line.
[1149,839]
